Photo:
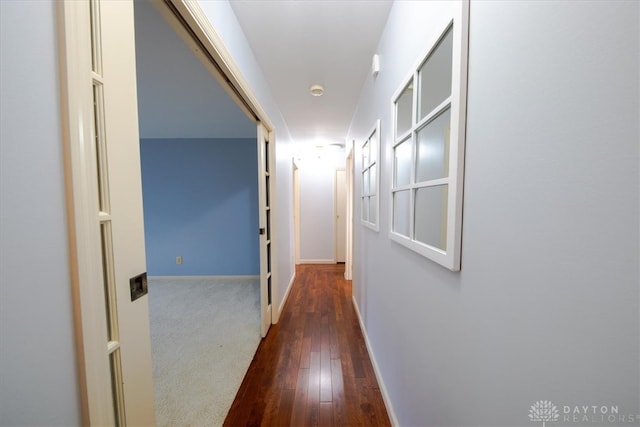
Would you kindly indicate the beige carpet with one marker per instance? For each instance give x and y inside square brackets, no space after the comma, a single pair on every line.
[204,333]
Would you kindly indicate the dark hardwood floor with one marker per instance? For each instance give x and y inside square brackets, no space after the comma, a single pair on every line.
[313,368]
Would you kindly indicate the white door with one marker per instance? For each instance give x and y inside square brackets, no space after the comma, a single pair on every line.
[107,237]
[296,213]
[266,248]
[341,215]
[348,268]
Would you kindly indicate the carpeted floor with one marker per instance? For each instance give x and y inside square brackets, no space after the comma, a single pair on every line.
[204,333]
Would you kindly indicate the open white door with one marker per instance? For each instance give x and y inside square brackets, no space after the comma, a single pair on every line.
[341,215]
[105,208]
[348,268]
[266,248]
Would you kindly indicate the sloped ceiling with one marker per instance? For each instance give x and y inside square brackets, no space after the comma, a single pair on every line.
[177,96]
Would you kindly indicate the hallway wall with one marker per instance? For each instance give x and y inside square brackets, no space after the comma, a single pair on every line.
[38,378]
[317,199]
[547,303]
[317,223]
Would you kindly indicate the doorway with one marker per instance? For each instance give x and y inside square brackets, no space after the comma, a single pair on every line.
[201,166]
[97,71]
[321,206]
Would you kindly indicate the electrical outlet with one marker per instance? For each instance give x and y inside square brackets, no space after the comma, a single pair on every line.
[178,260]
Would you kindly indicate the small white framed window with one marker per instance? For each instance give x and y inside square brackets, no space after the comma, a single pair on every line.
[370,194]
[429,118]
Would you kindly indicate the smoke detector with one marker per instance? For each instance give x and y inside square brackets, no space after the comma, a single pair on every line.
[316,90]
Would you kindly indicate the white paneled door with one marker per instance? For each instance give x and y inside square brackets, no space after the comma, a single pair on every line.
[341,215]
[266,230]
[97,57]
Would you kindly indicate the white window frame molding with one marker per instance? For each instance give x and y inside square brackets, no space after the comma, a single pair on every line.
[449,257]
[374,132]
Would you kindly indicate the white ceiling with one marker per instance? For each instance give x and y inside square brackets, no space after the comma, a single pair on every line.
[177,96]
[304,42]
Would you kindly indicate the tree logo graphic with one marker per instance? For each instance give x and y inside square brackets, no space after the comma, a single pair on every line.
[545,411]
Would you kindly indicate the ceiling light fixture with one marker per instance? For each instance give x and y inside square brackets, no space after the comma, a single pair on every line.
[316,90]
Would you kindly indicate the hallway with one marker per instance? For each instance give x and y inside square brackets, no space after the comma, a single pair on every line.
[313,367]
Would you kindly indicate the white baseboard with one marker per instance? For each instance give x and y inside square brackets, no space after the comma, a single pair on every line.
[252,277]
[317,261]
[286,294]
[383,389]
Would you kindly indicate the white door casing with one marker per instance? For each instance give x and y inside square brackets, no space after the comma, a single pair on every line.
[104,200]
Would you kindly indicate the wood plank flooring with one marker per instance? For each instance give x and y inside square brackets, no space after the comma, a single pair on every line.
[313,368]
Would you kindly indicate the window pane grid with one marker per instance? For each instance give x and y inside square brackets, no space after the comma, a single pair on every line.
[100,144]
[401,216]
[109,282]
[432,183]
[117,389]
[370,179]
[108,278]
[432,148]
[404,109]
[434,75]
[428,147]
[403,163]
[365,154]
[431,206]
[96,36]
[373,211]
[365,209]
[434,113]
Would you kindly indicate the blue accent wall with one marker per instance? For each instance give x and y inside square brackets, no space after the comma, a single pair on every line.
[201,203]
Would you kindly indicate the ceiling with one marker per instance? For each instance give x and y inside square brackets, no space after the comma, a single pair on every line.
[304,42]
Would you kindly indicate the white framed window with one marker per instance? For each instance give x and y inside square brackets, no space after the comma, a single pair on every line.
[429,117]
[370,194]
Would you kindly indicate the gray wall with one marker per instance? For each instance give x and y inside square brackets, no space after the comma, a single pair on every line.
[201,203]
[546,305]
[38,382]
[316,183]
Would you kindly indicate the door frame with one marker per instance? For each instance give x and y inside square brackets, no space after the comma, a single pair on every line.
[85,262]
[190,22]
[103,209]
